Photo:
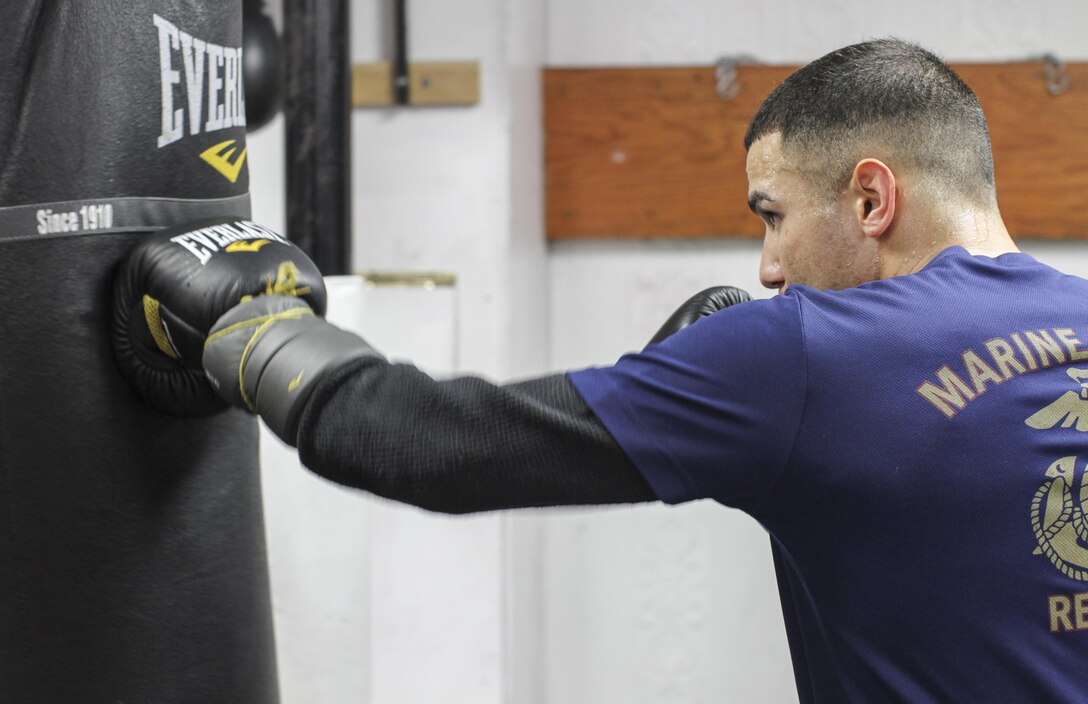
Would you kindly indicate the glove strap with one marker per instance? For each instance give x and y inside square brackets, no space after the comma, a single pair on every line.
[284,362]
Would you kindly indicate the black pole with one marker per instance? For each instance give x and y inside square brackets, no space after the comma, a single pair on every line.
[317,113]
[400,53]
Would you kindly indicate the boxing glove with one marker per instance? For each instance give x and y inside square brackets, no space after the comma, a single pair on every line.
[267,355]
[174,285]
[700,305]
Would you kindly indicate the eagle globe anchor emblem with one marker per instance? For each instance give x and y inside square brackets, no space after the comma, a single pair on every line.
[1059,507]
[1058,519]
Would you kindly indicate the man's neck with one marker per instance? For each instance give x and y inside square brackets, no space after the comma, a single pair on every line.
[917,240]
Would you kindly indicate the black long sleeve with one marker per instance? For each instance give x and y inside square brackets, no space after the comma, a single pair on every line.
[465,444]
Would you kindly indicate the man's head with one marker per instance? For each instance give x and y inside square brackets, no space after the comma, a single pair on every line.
[832,149]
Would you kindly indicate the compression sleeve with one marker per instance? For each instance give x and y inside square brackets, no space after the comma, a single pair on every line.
[462,445]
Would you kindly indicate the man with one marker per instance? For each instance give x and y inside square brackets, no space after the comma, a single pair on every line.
[905,419]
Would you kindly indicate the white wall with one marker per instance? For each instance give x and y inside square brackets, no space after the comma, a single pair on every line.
[634,605]
[451,189]
[639,32]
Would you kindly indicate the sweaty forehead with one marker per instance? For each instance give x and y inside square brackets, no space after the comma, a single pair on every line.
[766,165]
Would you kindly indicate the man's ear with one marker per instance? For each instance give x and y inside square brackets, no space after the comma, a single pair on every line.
[873,190]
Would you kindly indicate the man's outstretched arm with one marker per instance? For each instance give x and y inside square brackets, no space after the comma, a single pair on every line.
[456,446]
[247,318]
[465,444]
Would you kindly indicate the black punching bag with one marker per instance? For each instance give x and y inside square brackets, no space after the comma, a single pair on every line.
[132,558]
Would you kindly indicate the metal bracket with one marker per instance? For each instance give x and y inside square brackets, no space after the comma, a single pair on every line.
[1057,80]
[725,74]
[402,83]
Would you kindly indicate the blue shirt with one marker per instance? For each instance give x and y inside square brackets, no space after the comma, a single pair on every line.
[916,448]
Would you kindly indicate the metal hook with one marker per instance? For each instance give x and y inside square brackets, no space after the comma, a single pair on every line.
[1057,80]
[725,75]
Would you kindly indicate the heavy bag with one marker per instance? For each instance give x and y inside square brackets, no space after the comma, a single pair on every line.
[132,556]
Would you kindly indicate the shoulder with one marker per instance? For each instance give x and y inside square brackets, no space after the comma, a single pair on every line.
[773,317]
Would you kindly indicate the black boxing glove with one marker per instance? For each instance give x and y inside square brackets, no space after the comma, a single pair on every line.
[267,355]
[699,306]
[176,283]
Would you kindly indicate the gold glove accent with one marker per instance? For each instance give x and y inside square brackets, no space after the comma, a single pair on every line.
[156,327]
[286,283]
[262,323]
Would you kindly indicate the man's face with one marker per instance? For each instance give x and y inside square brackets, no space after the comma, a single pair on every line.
[810,238]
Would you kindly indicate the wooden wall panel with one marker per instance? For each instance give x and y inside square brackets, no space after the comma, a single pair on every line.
[654,152]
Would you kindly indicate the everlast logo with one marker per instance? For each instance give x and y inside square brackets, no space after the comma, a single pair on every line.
[211,96]
[240,236]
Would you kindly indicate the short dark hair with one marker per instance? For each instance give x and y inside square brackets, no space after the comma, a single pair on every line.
[886,95]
